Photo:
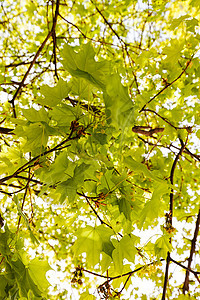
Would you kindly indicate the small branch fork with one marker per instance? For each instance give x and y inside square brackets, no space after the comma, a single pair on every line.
[35,57]
[188,128]
[122,42]
[146,130]
[95,199]
[95,212]
[188,270]
[186,150]
[111,278]
[168,84]
[129,274]
[35,159]
[123,275]
[109,25]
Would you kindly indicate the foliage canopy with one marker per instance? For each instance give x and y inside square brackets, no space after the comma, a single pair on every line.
[100,128]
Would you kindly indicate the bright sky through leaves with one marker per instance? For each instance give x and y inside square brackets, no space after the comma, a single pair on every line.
[99,153]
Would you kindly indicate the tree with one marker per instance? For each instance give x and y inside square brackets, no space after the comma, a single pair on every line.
[99,148]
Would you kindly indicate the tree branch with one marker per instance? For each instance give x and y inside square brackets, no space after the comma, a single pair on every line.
[168,84]
[54,37]
[74,25]
[6,130]
[95,212]
[192,251]
[34,159]
[35,58]
[184,267]
[146,130]
[122,275]
[164,119]
[166,276]
[109,25]
[171,214]
[172,176]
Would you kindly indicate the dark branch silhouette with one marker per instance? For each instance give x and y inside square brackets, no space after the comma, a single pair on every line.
[183,145]
[35,58]
[168,84]
[192,251]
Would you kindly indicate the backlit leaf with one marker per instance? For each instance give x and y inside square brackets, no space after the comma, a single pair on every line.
[54,95]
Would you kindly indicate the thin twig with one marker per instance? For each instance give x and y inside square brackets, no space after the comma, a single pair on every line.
[184,267]
[54,38]
[109,25]
[122,275]
[164,119]
[2,260]
[127,279]
[35,58]
[4,130]
[95,212]
[74,25]
[24,198]
[33,160]
[168,84]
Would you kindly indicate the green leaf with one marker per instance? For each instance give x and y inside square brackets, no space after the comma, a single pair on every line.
[35,134]
[65,114]
[119,107]
[173,51]
[184,297]
[79,173]
[92,241]
[69,187]
[154,207]
[87,296]
[124,249]
[138,167]
[125,207]
[100,137]
[35,116]
[105,261]
[81,88]
[198,134]
[59,170]
[23,279]
[26,221]
[54,95]
[83,65]
[194,3]
[5,238]
[162,246]
[191,24]
[176,22]
[37,270]
[3,284]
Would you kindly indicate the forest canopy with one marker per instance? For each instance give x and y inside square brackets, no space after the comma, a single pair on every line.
[99,153]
